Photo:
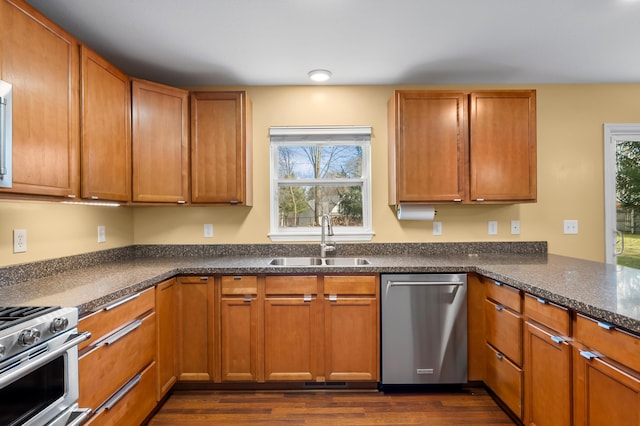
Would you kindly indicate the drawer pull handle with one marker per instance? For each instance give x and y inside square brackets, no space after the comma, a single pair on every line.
[499,356]
[588,355]
[122,392]
[541,300]
[558,339]
[333,297]
[307,298]
[498,283]
[204,278]
[122,301]
[499,308]
[248,298]
[605,325]
[122,332]
[237,278]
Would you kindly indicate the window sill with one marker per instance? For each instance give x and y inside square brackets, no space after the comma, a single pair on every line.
[315,237]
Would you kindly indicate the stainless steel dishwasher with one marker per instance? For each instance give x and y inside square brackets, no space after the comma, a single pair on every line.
[424,329]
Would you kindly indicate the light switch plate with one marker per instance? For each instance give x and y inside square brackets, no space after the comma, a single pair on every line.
[493,227]
[102,233]
[208,230]
[437,228]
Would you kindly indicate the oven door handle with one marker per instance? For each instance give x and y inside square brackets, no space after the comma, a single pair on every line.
[32,365]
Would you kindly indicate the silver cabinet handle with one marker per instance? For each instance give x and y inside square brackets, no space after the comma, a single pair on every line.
[605,325]
[122,301]
[541,300]
[499,308]
[558,339]
[499,356]
[122,392]
[248,298]
[588,355]
[307,298]
[121,333]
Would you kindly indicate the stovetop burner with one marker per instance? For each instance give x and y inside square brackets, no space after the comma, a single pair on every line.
[10,316]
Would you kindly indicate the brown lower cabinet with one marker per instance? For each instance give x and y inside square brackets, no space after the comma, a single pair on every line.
[117,369]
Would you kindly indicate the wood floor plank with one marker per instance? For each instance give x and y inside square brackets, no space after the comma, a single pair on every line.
[195,408]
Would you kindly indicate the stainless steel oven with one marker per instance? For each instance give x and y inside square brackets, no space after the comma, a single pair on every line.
[39,366]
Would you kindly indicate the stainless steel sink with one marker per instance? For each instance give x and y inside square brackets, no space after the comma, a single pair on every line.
[318,261]
[296,261]
[346,261]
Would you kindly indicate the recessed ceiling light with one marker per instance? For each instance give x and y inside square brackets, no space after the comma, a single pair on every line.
[319,75]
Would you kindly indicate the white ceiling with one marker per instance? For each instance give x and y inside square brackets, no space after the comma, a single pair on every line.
[276,42]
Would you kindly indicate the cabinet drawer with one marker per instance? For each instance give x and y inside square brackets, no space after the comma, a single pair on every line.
[503,294]
[504,378]
[115,315]
[292,285]
[618,345]
[114,360]
[504,330]
[239,285]
[551,315]
[350,285]
[136,402]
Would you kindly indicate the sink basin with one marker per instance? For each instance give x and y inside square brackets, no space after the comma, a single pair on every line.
[296,261]
[346,261]
[318,261]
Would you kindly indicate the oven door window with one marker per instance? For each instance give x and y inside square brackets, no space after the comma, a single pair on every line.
[30,394]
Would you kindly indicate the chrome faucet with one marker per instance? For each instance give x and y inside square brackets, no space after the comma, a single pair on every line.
[324,246]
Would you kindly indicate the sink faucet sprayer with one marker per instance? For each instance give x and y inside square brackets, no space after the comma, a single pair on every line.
[324,246]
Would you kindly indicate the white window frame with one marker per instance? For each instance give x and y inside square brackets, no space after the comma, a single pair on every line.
[352,135]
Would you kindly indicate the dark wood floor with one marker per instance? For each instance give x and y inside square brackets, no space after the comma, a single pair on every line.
[196,407]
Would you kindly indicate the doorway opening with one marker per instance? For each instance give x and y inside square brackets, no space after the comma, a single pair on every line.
[622,194]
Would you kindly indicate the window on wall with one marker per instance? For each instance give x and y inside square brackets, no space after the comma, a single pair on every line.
[317,171]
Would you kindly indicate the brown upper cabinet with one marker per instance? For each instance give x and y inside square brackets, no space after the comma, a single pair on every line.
[221,148]
[105,129]
[464,147]
[41,61]
[160,144]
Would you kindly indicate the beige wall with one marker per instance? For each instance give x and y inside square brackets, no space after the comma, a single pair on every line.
[570,179]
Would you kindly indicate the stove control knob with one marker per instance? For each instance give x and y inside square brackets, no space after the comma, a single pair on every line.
[29,337]
[58,325]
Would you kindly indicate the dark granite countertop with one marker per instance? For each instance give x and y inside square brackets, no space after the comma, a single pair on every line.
[606,292]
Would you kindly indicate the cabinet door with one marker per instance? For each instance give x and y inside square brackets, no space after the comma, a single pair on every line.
[547,378]
[221,148]
[427,146]
[239,319]
[604,393]
[195,329]
[106,129]
[351,339]
[160,145]
[41,61]
[167,337]
[290,338]
[503,146]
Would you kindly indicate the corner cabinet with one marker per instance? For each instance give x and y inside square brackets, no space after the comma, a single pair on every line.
[41,61]
[106,130]
[462,147]
[160,143]
[221,148]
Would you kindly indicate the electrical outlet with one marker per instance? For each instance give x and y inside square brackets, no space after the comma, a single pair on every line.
[102,234]
[515,227]
[570,226]
[19,240]
[208,230]
[493,227]
[437,228]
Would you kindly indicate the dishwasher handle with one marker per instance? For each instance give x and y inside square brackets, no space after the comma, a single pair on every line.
[422,283]
[448,298]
